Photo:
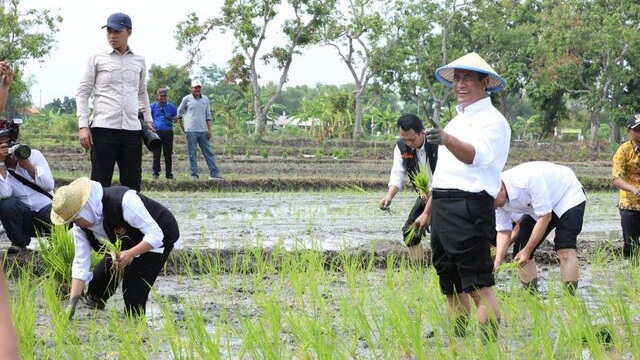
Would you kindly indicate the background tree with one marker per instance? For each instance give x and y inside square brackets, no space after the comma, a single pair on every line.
[25,35]
[174,78]
[357,36]
[251,21]
[65,106]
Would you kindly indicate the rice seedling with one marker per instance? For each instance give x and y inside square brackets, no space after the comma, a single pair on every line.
[296,301]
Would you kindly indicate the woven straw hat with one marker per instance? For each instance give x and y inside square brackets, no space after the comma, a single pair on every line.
[69,200]
[473,62]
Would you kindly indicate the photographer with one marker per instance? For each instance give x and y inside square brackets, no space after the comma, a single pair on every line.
[26,189]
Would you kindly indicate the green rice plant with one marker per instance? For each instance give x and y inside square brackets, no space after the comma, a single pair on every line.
[23,311]
[421,181]
[413,231]
[113,249]
[57,253]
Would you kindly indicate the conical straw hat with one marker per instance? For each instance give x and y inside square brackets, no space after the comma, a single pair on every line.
[68,200]
[473,62]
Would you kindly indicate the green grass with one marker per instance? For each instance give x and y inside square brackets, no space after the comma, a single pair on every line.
[295,304]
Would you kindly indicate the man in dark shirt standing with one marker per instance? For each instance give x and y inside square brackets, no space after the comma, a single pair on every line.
[164,115]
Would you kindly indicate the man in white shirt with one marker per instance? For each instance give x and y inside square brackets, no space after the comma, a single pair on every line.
[550,196]
[410,155]
[26,188]
[474,147]
[117,78]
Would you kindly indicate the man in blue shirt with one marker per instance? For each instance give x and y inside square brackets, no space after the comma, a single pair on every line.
[195,112]
[164,114]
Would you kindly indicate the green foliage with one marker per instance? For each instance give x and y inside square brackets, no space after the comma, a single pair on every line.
[65,106]
[265,154]
[27,34]
[332,114]
[175,79]
[421,181]
[50,124]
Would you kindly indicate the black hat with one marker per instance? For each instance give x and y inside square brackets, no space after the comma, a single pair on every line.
[633,122]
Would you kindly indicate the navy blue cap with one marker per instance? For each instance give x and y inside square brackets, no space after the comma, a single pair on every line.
[118,21]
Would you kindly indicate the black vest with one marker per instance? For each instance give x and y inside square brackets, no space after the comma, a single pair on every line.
[115,226]
[410,157]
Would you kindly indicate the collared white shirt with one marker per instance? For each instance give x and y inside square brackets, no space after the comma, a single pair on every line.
[11,186]
[119,87]
[483,126]
[134,213]
[398,171]
[537,188]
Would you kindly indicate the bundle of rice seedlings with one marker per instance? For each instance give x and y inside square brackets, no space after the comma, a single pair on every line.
[420,180]
[114,250]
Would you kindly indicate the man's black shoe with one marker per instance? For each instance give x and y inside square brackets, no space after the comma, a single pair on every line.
[14,249]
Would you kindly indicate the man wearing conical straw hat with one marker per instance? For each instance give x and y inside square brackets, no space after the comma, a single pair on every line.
[145,229]
[473,150]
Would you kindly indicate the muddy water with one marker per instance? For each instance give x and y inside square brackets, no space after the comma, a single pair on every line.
[329,220]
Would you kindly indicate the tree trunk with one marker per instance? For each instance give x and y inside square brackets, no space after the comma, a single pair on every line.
[357,126]
[595,120]
[615,132]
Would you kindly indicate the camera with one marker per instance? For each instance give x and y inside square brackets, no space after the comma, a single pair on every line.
[21,151]
[151,140]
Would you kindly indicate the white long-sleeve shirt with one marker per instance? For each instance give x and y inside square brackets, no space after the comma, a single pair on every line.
[398,171]
[135,214]
[118,83]
[10,186]
[485,128]
[537,188]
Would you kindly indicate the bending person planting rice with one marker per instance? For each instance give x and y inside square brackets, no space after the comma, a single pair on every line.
[145,229]
[410,157]
[551,197]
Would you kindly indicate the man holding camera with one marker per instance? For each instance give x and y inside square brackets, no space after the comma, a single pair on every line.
[117,78]
[26,189]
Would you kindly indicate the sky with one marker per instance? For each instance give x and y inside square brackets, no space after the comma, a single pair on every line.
[80,35]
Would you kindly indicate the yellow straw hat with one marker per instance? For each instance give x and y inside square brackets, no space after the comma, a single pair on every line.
[473,62]
[69,200]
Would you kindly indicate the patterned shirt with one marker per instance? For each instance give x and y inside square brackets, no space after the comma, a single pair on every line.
[626,166]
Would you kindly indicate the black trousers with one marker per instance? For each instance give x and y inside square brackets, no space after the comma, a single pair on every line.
[167,149]
[137,280]
[416,210]
[21,224]
[122,147]
[630,221]
[462,227]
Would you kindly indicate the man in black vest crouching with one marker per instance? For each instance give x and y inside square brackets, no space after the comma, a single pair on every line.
[145,229]
[411,154]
